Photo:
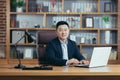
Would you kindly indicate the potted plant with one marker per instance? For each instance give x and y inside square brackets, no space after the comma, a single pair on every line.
[107,32]
[106,21]
[18,4]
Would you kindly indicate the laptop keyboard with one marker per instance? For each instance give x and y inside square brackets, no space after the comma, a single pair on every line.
[81,65]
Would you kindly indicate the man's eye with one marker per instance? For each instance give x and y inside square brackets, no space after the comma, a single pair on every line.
[60,30]
[65,30]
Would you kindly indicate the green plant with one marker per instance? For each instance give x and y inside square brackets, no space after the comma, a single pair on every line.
[17,3]
[105,19]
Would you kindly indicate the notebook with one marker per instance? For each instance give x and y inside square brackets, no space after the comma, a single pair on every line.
[100,57]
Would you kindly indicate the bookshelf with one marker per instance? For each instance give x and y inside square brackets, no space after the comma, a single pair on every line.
[85,18]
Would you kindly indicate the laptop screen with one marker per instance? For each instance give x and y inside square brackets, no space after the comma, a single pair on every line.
[100,56]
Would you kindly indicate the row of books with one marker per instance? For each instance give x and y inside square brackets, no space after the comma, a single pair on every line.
[74,6]
[84,38]
[24,53]
[45,6]
[2,52]
[28,21]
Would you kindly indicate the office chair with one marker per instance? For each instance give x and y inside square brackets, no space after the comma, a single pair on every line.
[43,37]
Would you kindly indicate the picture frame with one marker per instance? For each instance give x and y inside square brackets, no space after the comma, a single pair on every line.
[107,7]
[89,22]
[28,53]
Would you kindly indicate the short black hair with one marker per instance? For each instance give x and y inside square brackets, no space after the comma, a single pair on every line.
[61,23]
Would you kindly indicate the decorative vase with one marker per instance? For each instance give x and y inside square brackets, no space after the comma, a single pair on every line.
[107,25]
[107,37]
[19,9]
[53,9]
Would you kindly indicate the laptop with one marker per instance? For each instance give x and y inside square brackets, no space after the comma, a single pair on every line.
[100,57]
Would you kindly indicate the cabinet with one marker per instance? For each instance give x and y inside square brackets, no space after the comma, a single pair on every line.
[85,18]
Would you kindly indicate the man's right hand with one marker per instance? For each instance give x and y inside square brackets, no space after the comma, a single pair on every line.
[72,61]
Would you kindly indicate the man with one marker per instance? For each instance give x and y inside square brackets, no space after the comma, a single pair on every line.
[62,51]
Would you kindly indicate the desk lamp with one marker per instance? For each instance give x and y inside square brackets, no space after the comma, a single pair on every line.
[31,38]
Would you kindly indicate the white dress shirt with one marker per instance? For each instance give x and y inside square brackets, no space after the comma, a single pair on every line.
[64,50]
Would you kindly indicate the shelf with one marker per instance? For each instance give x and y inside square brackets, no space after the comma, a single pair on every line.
[32,28]
[66,13]
[3,61]
[70,29]
[104,13]
[24,61]
[24,44]
[113,62]
[71,11]
[99,45]
[27,13]
[110,29]
[17,28]
[52,28]
[94,29]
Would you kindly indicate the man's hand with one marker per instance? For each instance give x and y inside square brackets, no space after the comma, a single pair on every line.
[72,61]
[84,62]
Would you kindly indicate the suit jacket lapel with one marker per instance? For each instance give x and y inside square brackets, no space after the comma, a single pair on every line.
[69,47]
[59,48]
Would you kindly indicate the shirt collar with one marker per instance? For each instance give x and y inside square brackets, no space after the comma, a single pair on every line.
[66,42]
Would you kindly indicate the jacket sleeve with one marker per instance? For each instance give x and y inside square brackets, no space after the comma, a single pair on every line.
[77,53]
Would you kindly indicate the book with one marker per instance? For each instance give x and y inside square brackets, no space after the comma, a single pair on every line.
[113,55]
[28,53]
[2,52]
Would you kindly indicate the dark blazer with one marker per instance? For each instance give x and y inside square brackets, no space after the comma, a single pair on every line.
[54,55]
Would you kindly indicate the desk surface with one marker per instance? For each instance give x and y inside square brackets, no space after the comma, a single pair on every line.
[110,70]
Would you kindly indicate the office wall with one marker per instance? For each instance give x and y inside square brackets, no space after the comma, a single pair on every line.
[2,22]
[119,28]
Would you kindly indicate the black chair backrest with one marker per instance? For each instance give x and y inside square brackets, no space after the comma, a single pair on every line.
[43,37]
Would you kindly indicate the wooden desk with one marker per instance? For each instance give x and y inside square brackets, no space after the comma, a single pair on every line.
[111,72]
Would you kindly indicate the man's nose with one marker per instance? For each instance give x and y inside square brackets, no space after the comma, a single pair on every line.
[63,31]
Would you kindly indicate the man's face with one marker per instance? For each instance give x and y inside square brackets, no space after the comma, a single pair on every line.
[62,32]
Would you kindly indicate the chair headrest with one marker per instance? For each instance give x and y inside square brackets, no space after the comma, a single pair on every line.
[43,37]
